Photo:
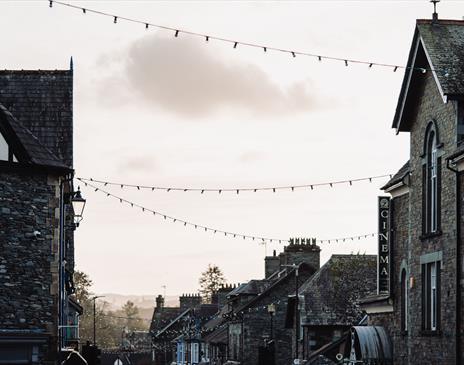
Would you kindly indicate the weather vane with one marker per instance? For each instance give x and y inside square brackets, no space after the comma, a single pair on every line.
[435,15]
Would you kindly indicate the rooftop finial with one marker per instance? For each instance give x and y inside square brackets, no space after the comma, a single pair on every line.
[435,14]
[71,66]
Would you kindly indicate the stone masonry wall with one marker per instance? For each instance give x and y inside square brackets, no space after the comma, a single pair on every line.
[257,323]
[418,347]
[392,321]
[461,182]
[425,349]
[29,264]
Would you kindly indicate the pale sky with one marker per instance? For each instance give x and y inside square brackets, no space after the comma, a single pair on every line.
[153,109]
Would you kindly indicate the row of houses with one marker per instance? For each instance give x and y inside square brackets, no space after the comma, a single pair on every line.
[404,308]
[263,321]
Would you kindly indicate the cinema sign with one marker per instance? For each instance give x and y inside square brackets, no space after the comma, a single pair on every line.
[383,264]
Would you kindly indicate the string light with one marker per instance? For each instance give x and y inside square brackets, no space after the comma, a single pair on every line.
[247,44]
[215,230]
[236,190]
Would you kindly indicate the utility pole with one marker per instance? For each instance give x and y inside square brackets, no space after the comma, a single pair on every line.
[297,314]
[94,319]
[297,311]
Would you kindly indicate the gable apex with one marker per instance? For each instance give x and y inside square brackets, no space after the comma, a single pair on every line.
[436,48]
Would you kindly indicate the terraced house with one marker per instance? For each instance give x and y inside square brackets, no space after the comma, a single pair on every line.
[421,304]
[38,315]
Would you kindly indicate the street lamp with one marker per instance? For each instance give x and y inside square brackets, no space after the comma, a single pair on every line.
[94,323]
[271,309]
[78,204]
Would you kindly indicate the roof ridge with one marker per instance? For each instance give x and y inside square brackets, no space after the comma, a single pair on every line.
[440,21]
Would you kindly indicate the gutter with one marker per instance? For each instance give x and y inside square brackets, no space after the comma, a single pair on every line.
[458,263]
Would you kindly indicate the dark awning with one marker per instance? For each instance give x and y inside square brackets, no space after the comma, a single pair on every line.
[371,345]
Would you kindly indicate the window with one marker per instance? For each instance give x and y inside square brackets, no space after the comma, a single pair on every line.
[431,296]
[195,353]
[431,183]
[6,152]
[4,149]
[404,301]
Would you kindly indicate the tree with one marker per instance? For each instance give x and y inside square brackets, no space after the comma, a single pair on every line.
[82,283]
[131,314]
[210,281]
[109,324]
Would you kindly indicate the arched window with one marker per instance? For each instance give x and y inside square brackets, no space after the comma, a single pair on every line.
[404,301]
[431,185]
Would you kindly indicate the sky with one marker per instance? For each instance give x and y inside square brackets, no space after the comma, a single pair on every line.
[154,109]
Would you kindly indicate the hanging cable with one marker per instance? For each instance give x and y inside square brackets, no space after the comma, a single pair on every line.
[215,230]
[235,190]
[235,43]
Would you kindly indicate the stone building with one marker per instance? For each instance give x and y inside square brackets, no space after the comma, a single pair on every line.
[421,307]
[329,303]
[38,317]
[251,329]
[168,323]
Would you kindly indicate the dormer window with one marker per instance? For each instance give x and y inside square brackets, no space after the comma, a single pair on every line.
[4,149]
[431,185]
[6,153]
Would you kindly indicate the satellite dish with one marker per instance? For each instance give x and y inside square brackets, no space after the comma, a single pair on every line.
[118,362]
[339,357]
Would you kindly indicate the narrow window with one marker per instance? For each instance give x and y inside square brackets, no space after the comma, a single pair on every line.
[433,187]
[4,150]
[430,190]
[431,296]
[404,301]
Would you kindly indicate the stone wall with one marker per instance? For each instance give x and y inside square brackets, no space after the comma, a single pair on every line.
[257,321]
[409,244]
[29,262]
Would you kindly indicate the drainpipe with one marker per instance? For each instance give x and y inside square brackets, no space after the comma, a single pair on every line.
[61,258]
[458,263]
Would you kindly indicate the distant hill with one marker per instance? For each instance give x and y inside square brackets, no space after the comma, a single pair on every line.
[146,303]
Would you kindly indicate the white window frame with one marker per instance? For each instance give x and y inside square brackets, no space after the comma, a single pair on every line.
[194,353]
[433,296]
[434,187]
[405,303]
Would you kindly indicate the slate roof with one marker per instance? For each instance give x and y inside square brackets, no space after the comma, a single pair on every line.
[202,312]
[218,319]
[440,43]
[43,102]
[253,287]
[398,177]
[290,273]
[163,317]
[332,294]
[26,146]
[444,42]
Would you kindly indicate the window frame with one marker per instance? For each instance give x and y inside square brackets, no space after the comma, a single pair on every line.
[404,300]
[431,184]
[431,293]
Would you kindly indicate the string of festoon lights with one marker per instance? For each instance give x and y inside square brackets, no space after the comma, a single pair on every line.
[237,44]
[235,190]
[229,234]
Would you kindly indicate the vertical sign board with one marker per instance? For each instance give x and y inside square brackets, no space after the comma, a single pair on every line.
[383,269]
